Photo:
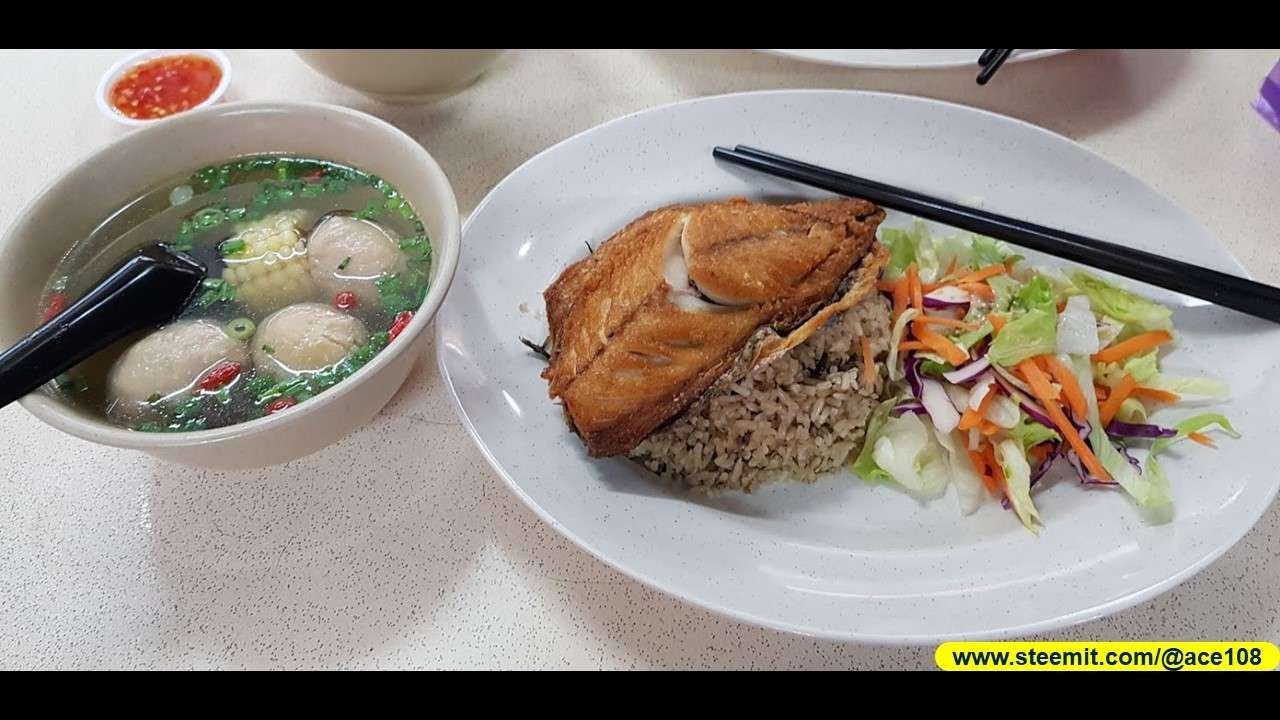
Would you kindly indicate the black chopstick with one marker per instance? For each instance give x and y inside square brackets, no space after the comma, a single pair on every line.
[992,64]
[1246,296]
[985,57]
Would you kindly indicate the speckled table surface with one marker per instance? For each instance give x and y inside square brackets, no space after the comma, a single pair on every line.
[399,547]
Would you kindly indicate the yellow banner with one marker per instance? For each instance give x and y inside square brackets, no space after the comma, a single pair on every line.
[1170,655]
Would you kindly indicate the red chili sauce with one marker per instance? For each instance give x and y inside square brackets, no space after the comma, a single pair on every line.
[165,86]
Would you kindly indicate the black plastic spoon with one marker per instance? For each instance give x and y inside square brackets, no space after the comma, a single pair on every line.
[148,288]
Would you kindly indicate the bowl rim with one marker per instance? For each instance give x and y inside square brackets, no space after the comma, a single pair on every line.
[446,252]
[114,72]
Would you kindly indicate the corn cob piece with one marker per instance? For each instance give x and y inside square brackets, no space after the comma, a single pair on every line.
[270,270]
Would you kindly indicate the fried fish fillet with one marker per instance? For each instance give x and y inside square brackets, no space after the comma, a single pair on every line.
[691,295]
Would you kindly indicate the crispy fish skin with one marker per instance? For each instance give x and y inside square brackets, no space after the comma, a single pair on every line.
[630,351]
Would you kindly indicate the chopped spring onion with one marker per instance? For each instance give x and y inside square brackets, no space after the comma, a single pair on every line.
[216,290]
[231,247]
[181,195]
[240,328]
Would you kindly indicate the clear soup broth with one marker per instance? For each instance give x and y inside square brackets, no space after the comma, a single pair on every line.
[313,268]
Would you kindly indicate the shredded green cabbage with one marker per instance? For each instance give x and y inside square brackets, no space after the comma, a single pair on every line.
[1005,288]
[1142,367]
[1030,433]
[968,339]
[1145,370]
[1037,294]
[1195,423]
[1138,314]
[909,450]
[1033,333]
[935,368]
[969,489]
[988,251]
[895,339]
[906,450]
[1149,490]
[865,465]
[954,247]
[1205,387]
[1132,411]
[1186,427]
[910,246]
[1017,479]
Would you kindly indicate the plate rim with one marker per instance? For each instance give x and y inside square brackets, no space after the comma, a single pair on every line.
[939,65]
[1058,622]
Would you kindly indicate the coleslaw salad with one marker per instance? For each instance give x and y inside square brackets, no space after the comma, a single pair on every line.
[1000,370]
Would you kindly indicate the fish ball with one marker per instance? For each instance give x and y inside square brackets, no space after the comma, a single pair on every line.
[304,338]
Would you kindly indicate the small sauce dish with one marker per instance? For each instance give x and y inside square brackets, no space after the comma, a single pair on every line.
[152,85]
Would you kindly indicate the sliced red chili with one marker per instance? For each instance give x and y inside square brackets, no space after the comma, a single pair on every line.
[57,303]
[345,300]
[280,403]
[399,323]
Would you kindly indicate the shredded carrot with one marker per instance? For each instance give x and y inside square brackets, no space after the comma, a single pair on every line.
[900,298]
[1055,390]
[989,428]
[944,347]
[1044,393]
[945,279]
[868,362]
[913,285]
[949,322]
[997,472]
[1133,345]
[1062,305]
[1117,396]
[1101,392]
[982,290]
[997,321]
[1040,452]
[979,461]
[1202,439]
[981,274]
[1157,395]
[1067,379]
[972,417]
[906,345]
[887,285]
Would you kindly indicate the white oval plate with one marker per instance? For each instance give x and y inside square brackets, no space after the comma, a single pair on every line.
[905,59]
[841,558]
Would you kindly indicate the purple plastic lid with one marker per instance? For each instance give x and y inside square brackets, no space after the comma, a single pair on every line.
[1268,102]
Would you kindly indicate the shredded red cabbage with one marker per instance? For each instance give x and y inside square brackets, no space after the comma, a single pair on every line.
[966,373]
[1125,452]
[938,304]
[1139,430]
[911,368]
[1048,463]
[910,406]
[1085,476]
[947,297]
